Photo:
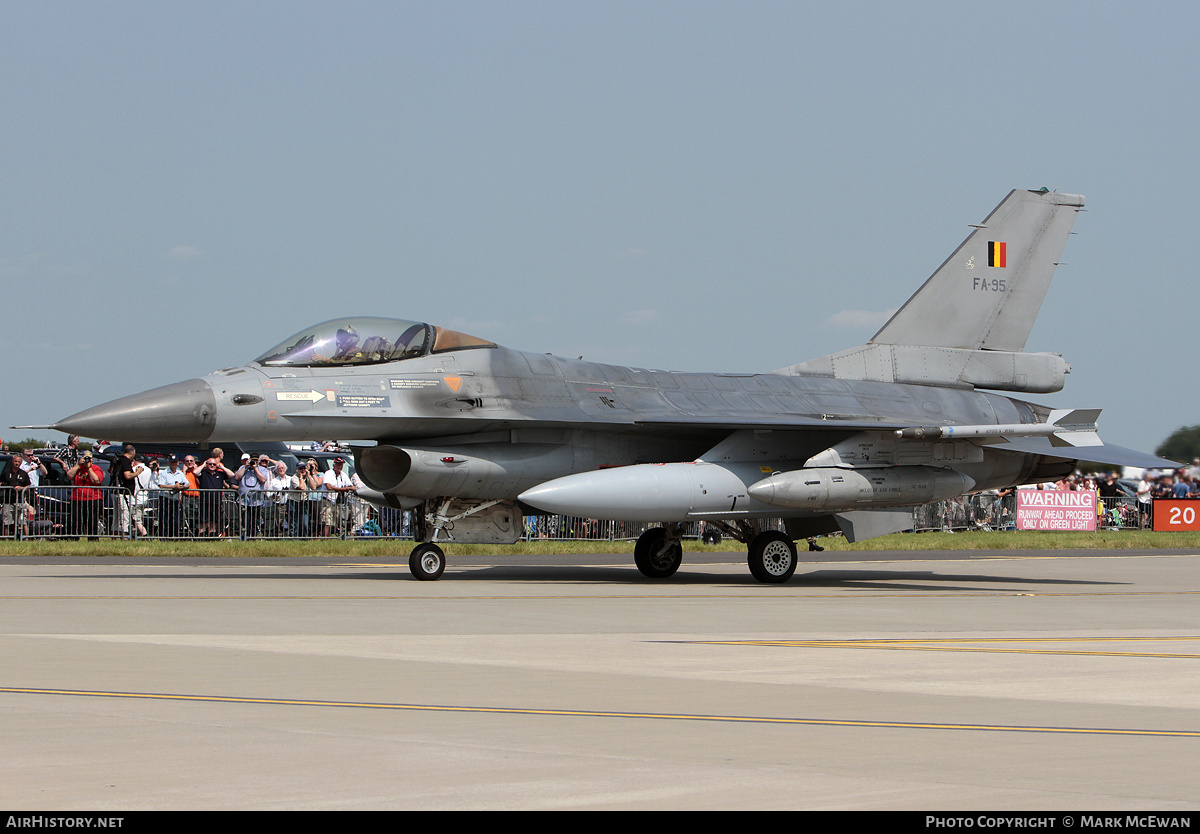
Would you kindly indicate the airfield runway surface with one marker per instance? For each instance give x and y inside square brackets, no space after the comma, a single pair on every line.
[949,681]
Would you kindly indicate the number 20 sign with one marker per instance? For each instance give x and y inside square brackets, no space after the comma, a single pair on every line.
[1171,515]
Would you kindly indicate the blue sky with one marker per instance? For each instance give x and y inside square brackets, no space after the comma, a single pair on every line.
[683,185]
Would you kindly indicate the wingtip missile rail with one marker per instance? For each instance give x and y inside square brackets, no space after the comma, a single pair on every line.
[1070,427]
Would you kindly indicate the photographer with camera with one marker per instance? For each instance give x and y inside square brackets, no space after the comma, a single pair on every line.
[337,487]
[252,479]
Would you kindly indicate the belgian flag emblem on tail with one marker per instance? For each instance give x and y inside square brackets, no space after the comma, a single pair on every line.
[997,253]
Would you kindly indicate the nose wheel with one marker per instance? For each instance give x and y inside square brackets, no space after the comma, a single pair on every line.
[658,553]
[427,561]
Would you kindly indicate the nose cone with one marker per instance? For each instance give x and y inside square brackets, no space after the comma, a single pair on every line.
[183,412]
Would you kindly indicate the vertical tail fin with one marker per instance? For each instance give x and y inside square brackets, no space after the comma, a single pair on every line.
[967,325]
[987,294]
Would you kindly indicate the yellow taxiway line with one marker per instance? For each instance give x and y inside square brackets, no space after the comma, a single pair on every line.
[742,719]
[970,644]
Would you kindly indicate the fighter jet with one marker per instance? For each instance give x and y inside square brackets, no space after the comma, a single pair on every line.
[472,436]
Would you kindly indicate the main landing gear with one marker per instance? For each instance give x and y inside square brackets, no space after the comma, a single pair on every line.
[771,555]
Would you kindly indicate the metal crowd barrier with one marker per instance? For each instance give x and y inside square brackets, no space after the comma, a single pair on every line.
[107,512]
[993,512]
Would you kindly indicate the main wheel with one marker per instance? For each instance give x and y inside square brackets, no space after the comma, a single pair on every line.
[772,557]
[654,557]
[427,561]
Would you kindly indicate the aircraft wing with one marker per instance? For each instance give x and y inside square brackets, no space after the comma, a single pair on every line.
[1093,450]
[1102,453]
[782,422]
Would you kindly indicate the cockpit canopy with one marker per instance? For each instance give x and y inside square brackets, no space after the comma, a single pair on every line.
[366,341]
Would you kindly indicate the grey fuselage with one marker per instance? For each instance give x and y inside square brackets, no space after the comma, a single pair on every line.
[529,418]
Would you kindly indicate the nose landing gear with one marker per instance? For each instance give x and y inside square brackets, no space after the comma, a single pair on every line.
[659,551]
[427,561]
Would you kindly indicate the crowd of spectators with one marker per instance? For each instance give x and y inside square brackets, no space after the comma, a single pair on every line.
[1153,483]
[192,495]
[269,502]
[1115,491]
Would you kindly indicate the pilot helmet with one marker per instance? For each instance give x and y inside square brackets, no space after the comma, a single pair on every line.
[347,338]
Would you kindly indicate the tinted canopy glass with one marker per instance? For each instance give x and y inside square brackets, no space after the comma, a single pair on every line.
[365,341]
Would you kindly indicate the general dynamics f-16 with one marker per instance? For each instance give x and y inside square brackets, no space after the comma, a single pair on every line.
[471,435]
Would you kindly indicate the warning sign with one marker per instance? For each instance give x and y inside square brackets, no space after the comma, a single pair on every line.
[1056,509]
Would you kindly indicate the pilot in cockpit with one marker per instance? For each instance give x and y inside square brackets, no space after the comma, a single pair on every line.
[345,345]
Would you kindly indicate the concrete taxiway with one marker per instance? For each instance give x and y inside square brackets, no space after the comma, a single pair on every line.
[953,681]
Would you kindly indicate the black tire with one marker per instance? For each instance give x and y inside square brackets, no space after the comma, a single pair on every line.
[772,557]
[711,537]
[650,558]
[427,562]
